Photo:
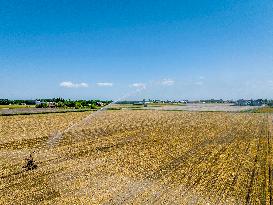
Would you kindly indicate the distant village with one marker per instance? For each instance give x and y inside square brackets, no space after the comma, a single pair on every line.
[240,102]
[93,104]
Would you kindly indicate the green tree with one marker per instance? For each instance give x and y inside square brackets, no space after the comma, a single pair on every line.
[78,105]
[60,104]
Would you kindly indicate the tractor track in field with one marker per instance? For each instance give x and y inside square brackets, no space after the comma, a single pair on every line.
[252,174]
[215,158]
[175,165]
[192,183]
[233,181]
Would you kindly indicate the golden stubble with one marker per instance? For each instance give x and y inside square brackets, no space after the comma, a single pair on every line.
[138,157]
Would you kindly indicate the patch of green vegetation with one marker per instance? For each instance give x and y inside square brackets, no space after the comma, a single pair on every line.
[47,112]
[15,106]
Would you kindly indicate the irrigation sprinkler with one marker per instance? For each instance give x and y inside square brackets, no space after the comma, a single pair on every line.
[30,163]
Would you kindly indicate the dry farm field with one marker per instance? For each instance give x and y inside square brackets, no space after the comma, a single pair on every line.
[138,157]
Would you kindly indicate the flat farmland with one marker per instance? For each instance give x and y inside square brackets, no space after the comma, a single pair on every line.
[138,157]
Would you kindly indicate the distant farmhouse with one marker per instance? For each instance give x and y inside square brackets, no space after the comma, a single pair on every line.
[52,104]
[100,104]
[39,103]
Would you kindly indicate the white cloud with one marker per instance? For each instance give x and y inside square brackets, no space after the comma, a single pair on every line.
[105,84]
[167,82]
[140,86]
[69,84]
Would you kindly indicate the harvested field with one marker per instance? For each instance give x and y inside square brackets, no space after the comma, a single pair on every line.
[139,157]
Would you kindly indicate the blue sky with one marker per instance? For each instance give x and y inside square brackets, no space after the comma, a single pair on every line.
[192,49]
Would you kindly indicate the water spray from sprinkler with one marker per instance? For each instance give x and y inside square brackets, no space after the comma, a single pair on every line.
[56,137]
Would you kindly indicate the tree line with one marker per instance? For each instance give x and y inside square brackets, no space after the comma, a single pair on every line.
[58,102]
